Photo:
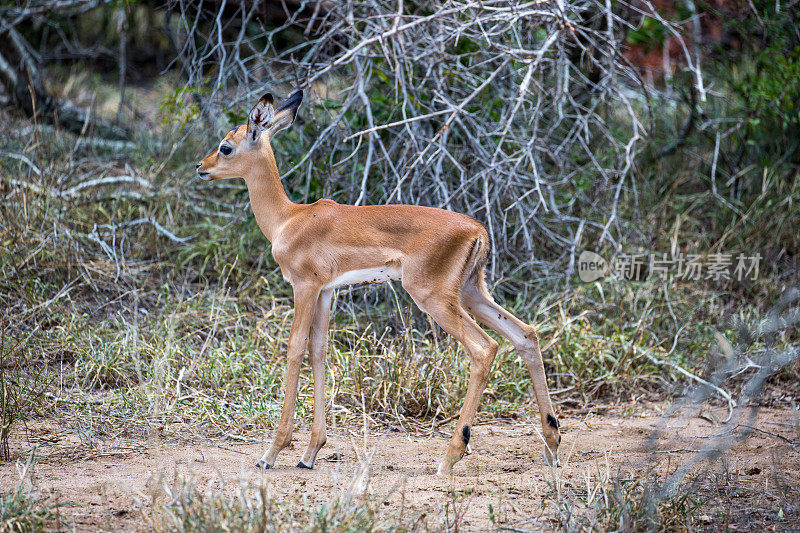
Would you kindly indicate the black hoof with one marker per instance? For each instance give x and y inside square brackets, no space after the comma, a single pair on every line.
[262,464]
[301,464]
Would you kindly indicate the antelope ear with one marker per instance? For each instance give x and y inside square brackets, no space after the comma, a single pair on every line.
[260,117]
[286,113]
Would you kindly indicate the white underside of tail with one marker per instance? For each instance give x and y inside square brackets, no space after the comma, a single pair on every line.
[365,275]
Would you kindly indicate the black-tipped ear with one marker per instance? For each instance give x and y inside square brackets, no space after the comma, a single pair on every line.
[260,118]
[286,113]
[293,102]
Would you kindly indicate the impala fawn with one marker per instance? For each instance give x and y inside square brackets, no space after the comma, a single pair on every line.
[438,256]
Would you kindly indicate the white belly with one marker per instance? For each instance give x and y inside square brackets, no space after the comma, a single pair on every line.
[366,275]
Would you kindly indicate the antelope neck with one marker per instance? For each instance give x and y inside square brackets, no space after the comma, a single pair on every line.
[268,199]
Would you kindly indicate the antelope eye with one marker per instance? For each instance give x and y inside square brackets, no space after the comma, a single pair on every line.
[225,149]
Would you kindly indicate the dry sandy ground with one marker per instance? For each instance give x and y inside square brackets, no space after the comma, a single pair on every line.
[505,468]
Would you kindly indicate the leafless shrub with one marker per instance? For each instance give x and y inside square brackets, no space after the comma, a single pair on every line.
[759,364]
[756,364]
[524,114]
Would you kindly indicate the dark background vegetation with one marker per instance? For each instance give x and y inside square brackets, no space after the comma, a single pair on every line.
[614,127]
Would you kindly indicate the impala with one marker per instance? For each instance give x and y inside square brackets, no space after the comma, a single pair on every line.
[438,256]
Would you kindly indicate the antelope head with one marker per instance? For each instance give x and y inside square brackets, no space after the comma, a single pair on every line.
[243,146]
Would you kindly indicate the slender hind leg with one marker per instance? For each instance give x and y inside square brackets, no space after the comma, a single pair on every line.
[482,349]
[317,346]
[478,301]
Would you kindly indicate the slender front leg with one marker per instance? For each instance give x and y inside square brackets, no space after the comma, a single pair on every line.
[317,346]
[305,299]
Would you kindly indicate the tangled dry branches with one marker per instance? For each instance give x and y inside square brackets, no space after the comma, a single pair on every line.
[524,114]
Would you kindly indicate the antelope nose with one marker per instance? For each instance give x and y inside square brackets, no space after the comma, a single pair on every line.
[198,165]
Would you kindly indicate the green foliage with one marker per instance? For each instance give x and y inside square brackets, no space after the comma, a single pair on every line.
[236,116]
[180,107]
[649,34]
[770,93]
[763,74]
